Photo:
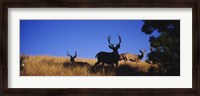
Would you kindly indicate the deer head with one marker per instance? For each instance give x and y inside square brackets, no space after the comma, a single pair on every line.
[111,46]
[72,58]
[142,52]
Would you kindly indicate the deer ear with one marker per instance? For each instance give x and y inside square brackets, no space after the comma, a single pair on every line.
[118,46]
[140,51]
[110,46]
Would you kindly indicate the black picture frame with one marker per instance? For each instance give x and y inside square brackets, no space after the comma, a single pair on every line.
[194,4]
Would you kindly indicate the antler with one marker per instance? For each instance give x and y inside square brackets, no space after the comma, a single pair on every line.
[75,54]
[68,54]
[140,51]
[109,37]
[119,39]
[144,50]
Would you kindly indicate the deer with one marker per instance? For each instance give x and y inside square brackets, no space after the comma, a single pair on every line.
[109,58]
[72,58]
[132,57]
[23,58]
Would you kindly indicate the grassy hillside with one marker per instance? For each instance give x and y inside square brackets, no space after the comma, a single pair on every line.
[60,66]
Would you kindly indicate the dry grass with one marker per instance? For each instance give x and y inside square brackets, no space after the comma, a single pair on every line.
[60,66]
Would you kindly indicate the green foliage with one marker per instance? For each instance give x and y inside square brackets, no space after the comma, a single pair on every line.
[165,49]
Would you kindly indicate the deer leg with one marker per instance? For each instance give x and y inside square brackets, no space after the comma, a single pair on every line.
[96,64]
[112,66]
[102,66]
[116,64]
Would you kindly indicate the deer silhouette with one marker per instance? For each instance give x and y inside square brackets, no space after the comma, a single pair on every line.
[72,58]
[132,57]
[109,57]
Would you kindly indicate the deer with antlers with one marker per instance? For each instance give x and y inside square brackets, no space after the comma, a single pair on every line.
[132,57]
[72,58]
[109,57]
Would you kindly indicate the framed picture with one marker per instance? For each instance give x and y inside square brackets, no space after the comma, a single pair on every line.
[100,47]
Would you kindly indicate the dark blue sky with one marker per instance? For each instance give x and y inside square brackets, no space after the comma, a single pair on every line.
[87,37]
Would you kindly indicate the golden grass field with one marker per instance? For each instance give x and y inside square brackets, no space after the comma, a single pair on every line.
[60,66]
